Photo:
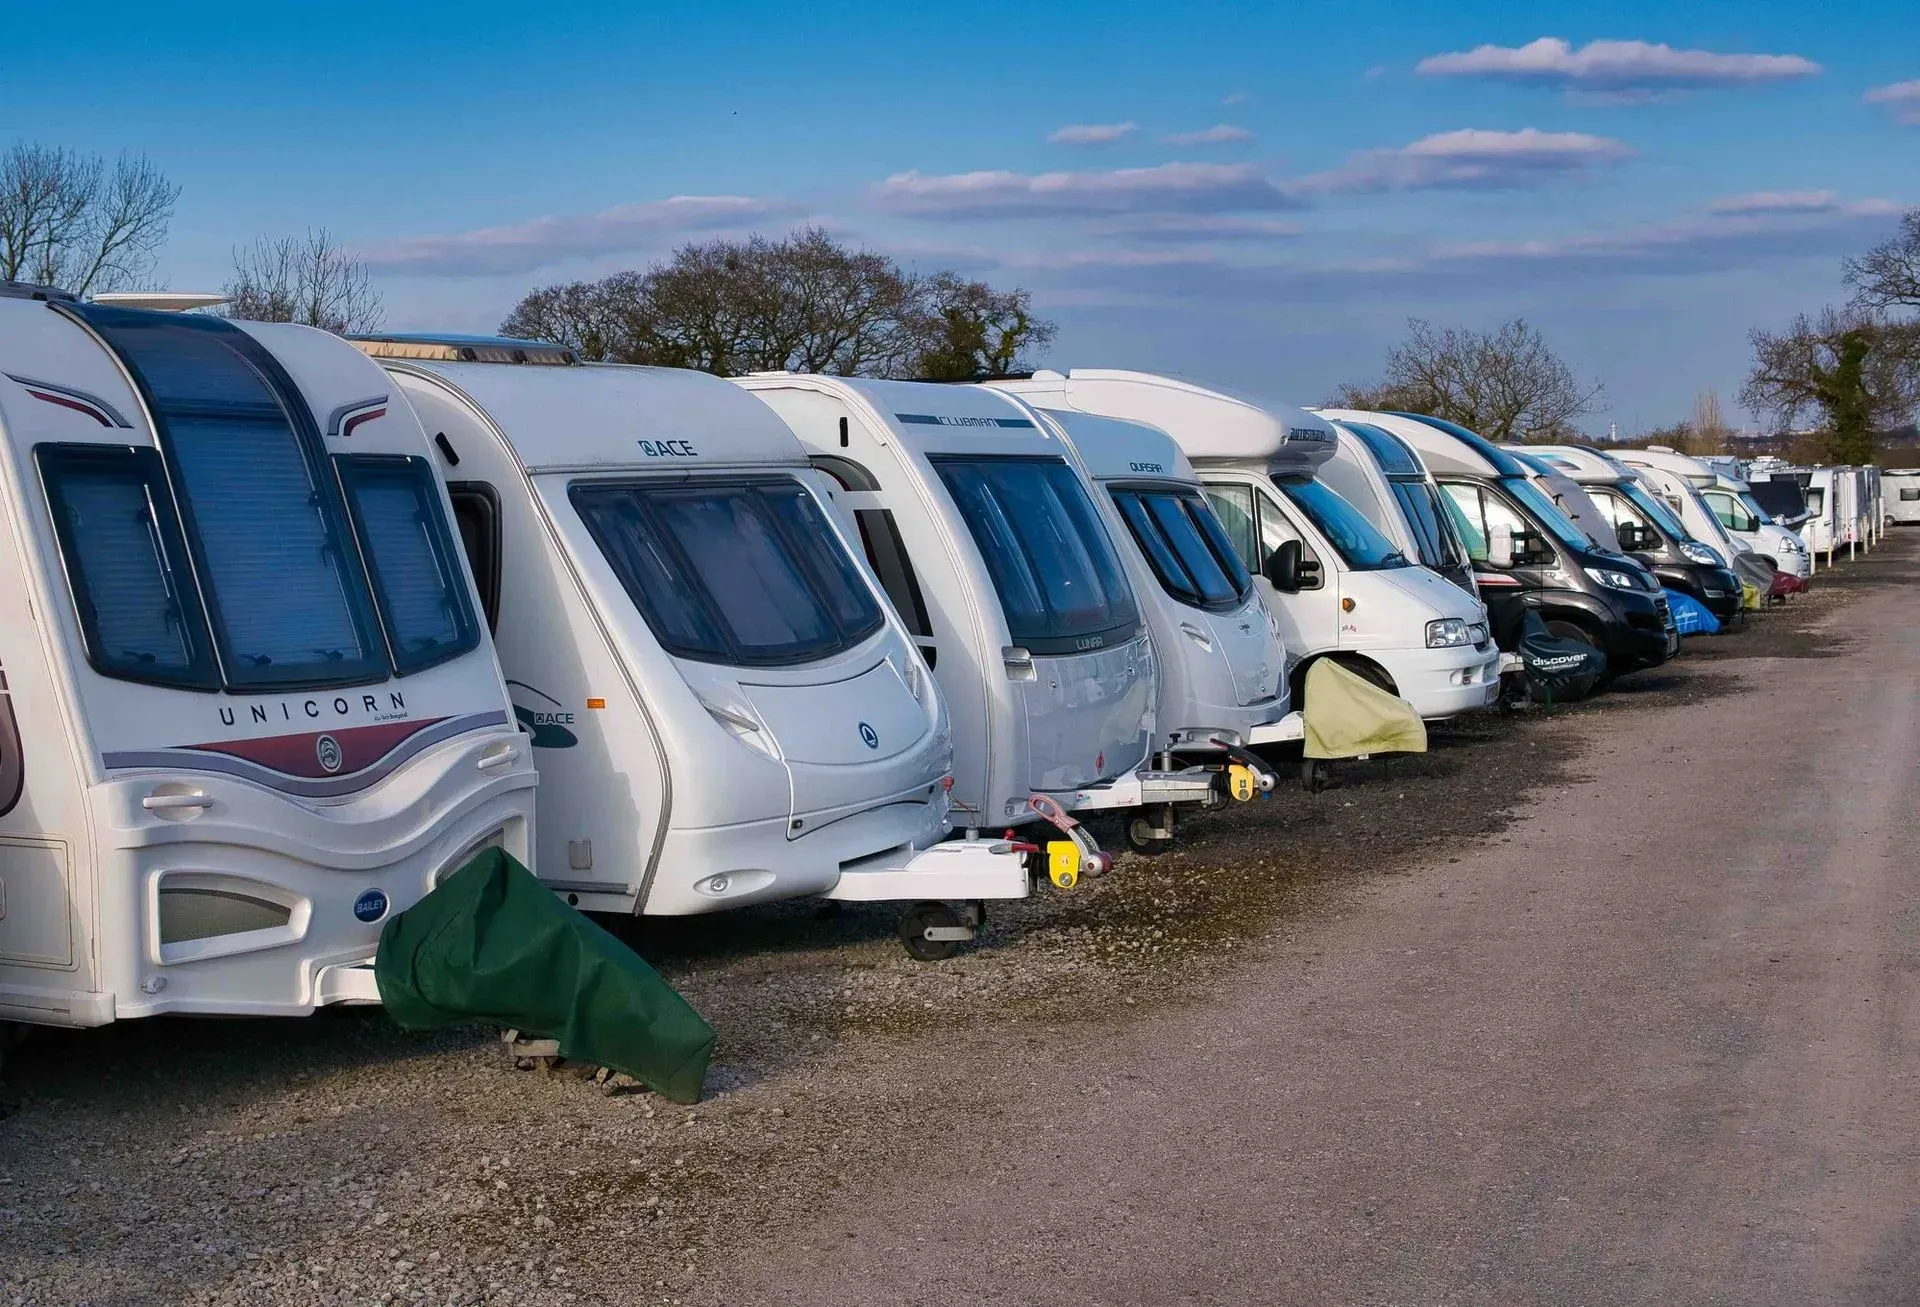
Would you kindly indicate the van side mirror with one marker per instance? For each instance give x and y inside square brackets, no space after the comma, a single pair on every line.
[1284,568]
[1634,537]
[1500,550]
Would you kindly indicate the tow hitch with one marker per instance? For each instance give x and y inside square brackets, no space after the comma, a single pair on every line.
[1075,856]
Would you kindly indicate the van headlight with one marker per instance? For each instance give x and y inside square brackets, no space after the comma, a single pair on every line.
[1699,553]
[1452,632]
[1607,576]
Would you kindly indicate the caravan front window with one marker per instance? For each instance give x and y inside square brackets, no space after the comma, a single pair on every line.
[745,572]
[265,531]
[1059,580]
[1186,546]
[417,581]
[1435,544]
[139,618]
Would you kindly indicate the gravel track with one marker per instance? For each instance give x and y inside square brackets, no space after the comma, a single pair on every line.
[338,1160]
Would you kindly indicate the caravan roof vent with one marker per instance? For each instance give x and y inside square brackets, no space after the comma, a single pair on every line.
[464,349]
[26,290]
[164,301]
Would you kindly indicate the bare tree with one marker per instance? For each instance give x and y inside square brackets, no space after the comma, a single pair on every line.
[1708,432]
[804,302]
[68,220]
[1849,368]
[309,280]
[1888,275]
[1505,384]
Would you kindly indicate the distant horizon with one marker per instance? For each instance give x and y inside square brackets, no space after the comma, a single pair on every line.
[1180,192]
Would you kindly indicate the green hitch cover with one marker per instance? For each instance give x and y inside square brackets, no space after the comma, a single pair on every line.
[492,943]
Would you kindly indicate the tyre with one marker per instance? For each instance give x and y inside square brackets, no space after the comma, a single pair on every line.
[1142,839]
[913,927]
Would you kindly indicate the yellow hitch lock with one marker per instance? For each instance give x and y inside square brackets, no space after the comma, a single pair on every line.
[1240,782]
[1063,863]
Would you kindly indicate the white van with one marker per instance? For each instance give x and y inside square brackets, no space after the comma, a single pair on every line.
[1901,487]
[1222,663]
[1382,476]
[723,707]
[1338,587]
[250,707]
[1715,509]
[985,534]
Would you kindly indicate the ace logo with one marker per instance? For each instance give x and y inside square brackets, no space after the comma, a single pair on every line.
[669,449]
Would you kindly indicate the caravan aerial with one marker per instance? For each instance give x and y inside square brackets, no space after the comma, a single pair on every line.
[985,534]
[1338,587]
[248,708]
[1379,474]
[724,709]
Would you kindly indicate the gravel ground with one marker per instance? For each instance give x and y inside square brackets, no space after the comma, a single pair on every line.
[338,1160]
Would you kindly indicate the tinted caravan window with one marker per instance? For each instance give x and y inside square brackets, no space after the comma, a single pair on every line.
[267,534]
[887,552]
[139,616]
[1433,541]
[1185,546]
[743,572]
[417,581]
[1060,582]
[1353,537]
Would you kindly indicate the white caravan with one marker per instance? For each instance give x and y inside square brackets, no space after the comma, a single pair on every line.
[723,707]
[1901,486]
[985,534]
[1222,663]
[1381,475]
[1338,587]
[249,708]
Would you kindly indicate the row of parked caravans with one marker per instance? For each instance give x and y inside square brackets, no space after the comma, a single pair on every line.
[790,635]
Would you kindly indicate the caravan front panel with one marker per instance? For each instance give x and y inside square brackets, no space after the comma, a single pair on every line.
[279,717]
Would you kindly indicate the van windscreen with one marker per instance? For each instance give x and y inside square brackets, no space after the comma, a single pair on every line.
[1185,545]
[1359,544]
[742,571]
[1059,580]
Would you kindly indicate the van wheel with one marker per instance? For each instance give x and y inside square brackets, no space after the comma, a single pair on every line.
[1143,836]
[915,923]
[1582,686]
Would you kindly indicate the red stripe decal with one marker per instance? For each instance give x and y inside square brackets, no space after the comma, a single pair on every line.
[73,404]
[346,428]
[353,748]
[1495,580]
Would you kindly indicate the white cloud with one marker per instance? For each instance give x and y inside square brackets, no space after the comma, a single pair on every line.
[1755,228]
[1218,134]
[1469,159]
[1093,133]
[1167,187]
[524,246]
[1200,226]
[1777,202]
[1902,100]
[1616,66]
[1238,97]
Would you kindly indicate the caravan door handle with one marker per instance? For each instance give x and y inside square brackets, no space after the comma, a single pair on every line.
[498,756]
[176,802]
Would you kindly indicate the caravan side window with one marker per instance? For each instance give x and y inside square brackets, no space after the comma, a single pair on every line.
[1184,544]
[887,552]
[476,515]
[417,582]
[140,618]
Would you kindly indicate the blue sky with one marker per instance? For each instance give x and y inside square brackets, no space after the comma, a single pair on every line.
[1258,195]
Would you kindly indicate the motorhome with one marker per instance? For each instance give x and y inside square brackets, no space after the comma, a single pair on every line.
[1379,474]
[724,708]
[1902,490]
[1567,495]
[1712,506]
[1528,555]
[248,708]
[1338,587]
[985,534]
[1222,663]
[1646,528]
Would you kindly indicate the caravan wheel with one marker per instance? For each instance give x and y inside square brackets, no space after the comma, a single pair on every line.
[1144,837]
[943,921]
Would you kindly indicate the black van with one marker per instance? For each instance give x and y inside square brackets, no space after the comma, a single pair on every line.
[1527,555]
